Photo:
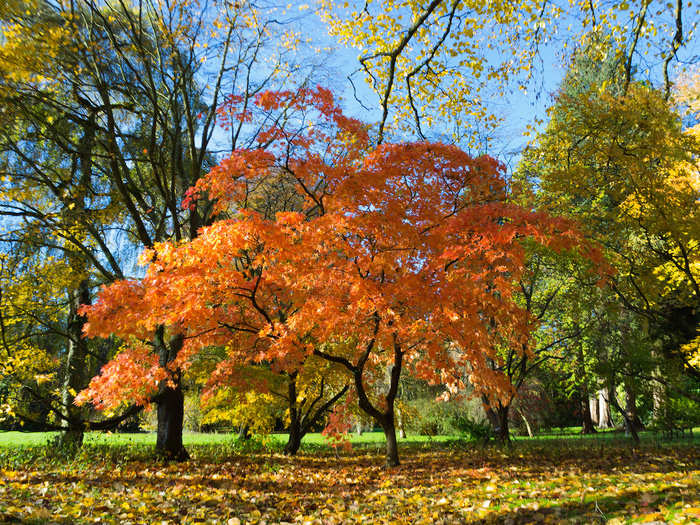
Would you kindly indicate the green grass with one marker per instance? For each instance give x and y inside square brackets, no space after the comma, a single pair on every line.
[34,439]
[571,435]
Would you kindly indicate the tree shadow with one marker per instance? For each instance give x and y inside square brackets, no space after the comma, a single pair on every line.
[595,509]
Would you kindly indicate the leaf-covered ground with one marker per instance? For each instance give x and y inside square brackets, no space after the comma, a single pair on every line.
[434,484]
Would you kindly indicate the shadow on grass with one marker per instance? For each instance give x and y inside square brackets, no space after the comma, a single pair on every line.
[596,509]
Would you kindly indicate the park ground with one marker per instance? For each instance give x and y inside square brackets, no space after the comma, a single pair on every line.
[558,478]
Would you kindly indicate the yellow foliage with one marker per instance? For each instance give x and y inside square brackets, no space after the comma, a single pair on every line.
[32,38]
[455,56]
[691,352]
[626,167]
[254,409]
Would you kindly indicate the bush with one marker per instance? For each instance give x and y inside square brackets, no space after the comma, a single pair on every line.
[471,428]
[434,418]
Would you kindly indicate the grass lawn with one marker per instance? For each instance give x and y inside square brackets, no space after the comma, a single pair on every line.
[441,480]
[571,434]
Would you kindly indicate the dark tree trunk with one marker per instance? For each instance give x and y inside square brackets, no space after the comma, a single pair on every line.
[74,378]
[588,418]
[170,417]
[629,426]
[587,426]
[244,432]
[490,415]
[385,418]
[499,420]
[295,432]
[392,447]
[171,403]
[503,433]
[302,419]
[294,440]
[631,406]
[76,358]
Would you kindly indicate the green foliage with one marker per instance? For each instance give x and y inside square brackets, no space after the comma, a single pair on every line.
[433,418]
[476,430]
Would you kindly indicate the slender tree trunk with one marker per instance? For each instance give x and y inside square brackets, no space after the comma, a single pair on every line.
[244,432]
[385,419]
[402,430]
[76,359]
[171,403]
[659,400]
[629,425]
[74,378]
[527,424]
[631,405]
[593,409]
[294,441]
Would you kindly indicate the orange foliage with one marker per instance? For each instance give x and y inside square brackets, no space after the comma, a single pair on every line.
[407,247]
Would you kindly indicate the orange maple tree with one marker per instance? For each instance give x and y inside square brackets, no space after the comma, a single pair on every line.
[402,256]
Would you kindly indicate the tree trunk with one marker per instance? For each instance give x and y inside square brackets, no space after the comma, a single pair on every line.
[593,409]
[244,432]
[587,426]
[295,435]
[392,447]
[491,415]
[527,424]
[74,378]
[629,425]
[503,433]
[294,441]
[384,419]
[358,427]
[402,430]
[171,403]
[170,418]
[604,420]
[499,420]
[659,399]
[631,405]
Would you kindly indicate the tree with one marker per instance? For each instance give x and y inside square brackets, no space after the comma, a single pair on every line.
[548,289]
[117,102]
[630,176]
[402,255]
[440,62]
[254,396]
